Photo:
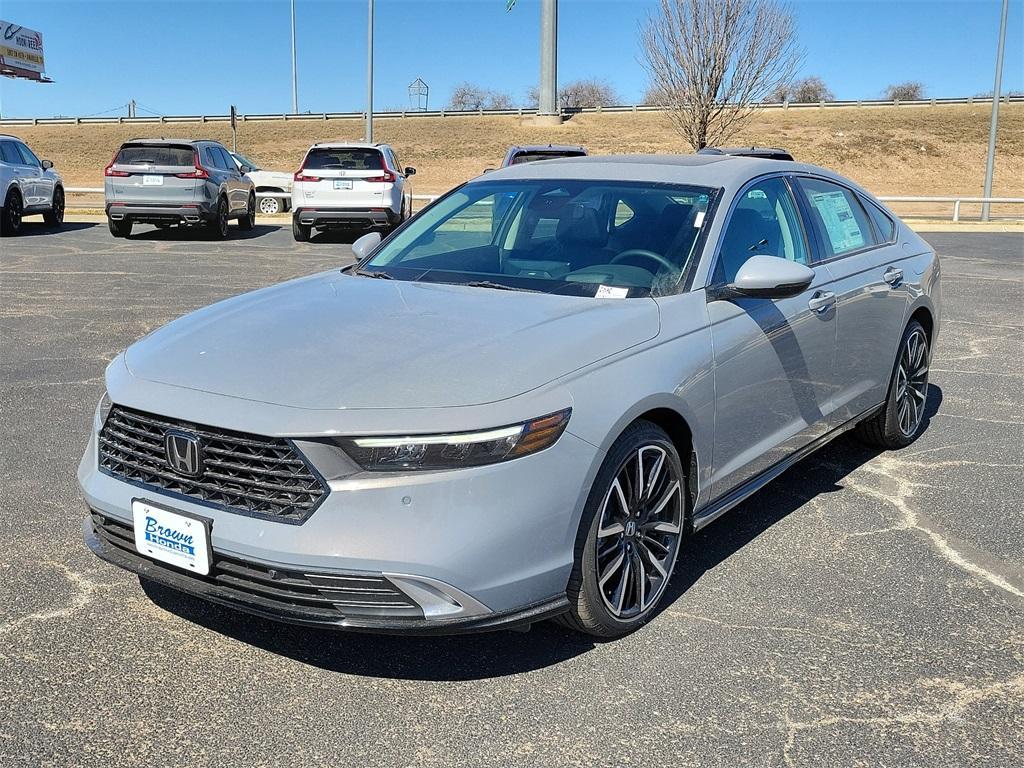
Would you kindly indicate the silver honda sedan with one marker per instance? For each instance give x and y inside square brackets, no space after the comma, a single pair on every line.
[521,403]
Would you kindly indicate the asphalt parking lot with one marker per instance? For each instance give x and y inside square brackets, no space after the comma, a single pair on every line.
[865,609]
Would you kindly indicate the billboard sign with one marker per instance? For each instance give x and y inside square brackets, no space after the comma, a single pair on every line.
[21,51]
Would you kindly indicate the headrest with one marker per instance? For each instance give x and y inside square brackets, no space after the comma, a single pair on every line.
[579,225]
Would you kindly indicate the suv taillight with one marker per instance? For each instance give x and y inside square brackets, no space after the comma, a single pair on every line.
[300,176]
[198,173]
[387,178]
[109,170]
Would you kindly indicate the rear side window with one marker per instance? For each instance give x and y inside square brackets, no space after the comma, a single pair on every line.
[838,217]
[155,154]
[353,159]
[886,226]
[9,153]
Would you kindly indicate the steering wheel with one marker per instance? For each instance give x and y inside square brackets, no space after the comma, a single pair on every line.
[645,254]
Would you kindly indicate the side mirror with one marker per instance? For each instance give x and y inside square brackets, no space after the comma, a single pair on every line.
[362,247]
[47,165]
[769,277]
[410,171]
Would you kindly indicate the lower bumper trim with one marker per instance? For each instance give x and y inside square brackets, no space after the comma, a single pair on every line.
[221,595]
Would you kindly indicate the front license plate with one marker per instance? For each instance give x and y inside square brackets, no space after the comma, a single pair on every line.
[343,183]
[152,181]
[177,538]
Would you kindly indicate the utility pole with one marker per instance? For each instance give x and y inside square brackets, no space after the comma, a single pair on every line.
[295,76]
[131,108]
[547,107]
[990,163]
[369,75]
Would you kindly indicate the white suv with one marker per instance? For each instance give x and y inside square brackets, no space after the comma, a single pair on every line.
[350,185]
[29,186]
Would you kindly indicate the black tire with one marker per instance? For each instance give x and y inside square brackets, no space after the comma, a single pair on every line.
[301,232]
[901,420]
[248,221]
[10,216]
[121,228]
[590,609]
[55,216]
[217,227]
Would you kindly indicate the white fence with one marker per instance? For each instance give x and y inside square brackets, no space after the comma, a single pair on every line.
[521,111]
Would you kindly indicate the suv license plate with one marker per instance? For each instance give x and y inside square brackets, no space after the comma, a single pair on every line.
[152,181]
[343,183]
[177,538]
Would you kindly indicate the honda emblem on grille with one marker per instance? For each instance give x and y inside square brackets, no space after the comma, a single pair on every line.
[184,454]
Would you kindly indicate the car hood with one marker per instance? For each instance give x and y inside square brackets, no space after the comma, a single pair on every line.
[331,341]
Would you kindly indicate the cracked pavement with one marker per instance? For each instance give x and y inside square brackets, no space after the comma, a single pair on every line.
[865,609]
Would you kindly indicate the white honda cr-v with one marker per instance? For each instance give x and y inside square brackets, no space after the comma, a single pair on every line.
[353,186]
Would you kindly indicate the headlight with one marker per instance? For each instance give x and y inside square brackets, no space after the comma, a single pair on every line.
[103,410]
[456,449]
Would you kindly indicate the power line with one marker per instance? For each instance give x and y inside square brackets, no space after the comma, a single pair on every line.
[144,108]
[107,111]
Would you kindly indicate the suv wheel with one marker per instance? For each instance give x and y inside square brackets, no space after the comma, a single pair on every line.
[899,423]
[248,221]
[121,228]
[218,226]
[55,216]
[10,216]
[300,232]
[629,536]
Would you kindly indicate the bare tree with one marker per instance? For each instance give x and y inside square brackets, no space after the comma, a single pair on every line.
[467,96]
[580,93]
[499,100]
[714,61]
[908,91]
[810,90]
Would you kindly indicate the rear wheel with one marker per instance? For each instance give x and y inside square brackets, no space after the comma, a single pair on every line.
[121,228]
[55,216]
[900,421]
[271,205]
[10,216]
[300,232]
[629,536]
[248,221]
[218,227]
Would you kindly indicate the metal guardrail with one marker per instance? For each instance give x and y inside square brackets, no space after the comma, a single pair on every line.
[956,201]
[519,111]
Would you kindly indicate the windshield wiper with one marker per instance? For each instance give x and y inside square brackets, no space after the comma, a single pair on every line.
[368,273]
[496,286]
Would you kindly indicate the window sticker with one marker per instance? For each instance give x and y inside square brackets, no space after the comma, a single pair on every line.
[842,227]
[611,292]
[698,219]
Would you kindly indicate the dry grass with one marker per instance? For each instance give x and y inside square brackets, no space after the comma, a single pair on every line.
[905,150]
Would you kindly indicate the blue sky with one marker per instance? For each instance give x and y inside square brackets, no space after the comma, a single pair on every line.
[193,56]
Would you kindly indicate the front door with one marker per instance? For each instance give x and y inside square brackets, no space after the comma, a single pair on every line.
[773,358]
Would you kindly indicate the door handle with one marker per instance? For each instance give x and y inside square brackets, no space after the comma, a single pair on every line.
[893,276]
[821,301]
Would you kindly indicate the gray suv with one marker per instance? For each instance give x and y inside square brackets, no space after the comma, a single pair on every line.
[170,182]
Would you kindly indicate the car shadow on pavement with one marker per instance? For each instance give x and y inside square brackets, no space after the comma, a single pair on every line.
[36,228]
[342,236]
[496,654]
[199,234]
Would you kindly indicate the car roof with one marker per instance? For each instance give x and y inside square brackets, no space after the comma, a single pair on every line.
[547,148]
[348,145]
[165,140]
[728,171]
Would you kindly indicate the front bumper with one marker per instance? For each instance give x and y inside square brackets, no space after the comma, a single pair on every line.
[349,218]
[271,593]
[159,214]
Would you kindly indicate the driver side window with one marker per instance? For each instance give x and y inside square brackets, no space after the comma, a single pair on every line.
[765,222]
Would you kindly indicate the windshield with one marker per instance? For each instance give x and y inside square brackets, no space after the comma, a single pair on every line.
[604,238]
[246,160]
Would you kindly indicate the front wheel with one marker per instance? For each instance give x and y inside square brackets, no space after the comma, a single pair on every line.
[271,205]
[55,216]
[248,221]
[629,536]
[900,421]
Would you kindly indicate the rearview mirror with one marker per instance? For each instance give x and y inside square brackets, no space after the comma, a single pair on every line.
[769,277]
[410,171]
[47,165]
[362,247]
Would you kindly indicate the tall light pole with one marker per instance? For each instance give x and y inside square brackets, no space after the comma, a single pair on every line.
[990,163]
[369,76]
[548,102]
[295,77]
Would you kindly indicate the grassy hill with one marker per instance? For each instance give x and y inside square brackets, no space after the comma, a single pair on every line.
[890,150]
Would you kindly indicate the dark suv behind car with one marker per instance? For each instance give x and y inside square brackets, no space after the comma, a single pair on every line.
[170,182]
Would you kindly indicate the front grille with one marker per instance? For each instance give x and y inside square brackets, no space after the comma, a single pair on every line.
[249,474]
[331,596]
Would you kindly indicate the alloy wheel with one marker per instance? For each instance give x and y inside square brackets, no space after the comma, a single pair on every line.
[269,205]
[912,382]
[639,532]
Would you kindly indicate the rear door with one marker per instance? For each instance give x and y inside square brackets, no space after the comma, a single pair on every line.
[154,174]
[237,188]
[345,177]
[872,295]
